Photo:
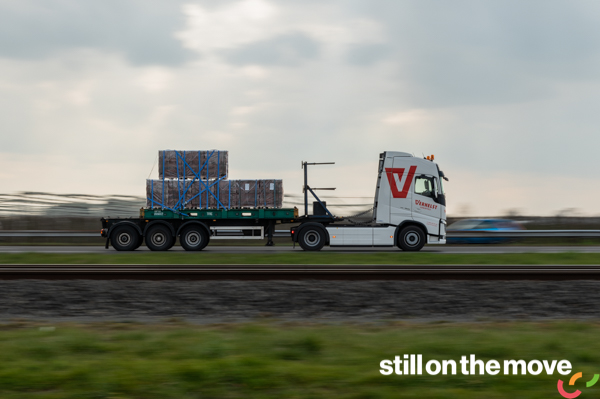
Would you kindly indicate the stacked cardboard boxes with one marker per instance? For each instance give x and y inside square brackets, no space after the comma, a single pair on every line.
[205,165]
[198,179]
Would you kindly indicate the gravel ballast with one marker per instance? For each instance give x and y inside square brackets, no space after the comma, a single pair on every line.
[322,300]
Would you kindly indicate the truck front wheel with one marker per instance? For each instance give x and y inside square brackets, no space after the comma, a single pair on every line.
[411,238]
[311,238]
[124,238]
[193,238]
[159,238]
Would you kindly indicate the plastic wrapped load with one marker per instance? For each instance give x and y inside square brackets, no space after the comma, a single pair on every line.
[182,194]
[270,193]
[176,164]
[154,193]
[214,164]
[190,194]
[205,165]
[175,191]
[173,194]
[227,196]
[254,193]
[209,192]
[193,198]
[247,193]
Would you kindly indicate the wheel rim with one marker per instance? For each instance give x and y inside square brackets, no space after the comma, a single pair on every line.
[159,238]
[193,239]
[124,239]
[412,239]
[312,238]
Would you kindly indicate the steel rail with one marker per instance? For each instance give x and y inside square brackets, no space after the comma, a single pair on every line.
[301,272]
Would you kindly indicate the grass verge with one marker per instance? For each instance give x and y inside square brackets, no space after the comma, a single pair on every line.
[399,258]
[283,360]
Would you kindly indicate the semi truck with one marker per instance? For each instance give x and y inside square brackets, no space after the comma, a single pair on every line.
[409,211]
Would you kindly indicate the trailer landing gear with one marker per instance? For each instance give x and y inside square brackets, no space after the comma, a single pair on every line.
[270,229]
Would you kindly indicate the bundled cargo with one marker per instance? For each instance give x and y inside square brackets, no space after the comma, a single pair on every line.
[205,165]
[226,196]
[173,194]
[249,194]
[154,194]
[189,194]
[270,193]
[198,179]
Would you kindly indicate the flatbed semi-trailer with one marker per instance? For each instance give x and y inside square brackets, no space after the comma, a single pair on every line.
[409,211]
[194,227]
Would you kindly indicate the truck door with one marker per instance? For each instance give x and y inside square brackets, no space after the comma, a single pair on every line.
[400,178]
[424,206]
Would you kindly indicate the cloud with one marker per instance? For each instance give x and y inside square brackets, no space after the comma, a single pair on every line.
[467,52]
[273,33]
[141,31]
[368,54]
[228,26]
[290,49]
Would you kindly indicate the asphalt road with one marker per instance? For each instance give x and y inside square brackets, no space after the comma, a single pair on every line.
[448,249]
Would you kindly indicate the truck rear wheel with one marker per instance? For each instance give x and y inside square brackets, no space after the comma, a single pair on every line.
[193,238]
[124,238]
[311,238]
[159,238]
[140,241]
[411,238]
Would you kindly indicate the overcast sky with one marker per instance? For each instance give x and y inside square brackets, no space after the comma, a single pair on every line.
[506,94]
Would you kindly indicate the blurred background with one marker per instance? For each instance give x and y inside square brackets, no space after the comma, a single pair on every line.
[24,215]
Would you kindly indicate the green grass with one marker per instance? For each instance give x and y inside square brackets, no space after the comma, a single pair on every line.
[279,360]
[300,257]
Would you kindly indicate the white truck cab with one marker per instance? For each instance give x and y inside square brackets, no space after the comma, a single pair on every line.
[409,209]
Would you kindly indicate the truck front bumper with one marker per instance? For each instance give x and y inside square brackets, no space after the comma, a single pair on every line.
[436,239]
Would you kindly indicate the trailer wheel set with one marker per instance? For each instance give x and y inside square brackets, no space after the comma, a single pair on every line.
[310,236]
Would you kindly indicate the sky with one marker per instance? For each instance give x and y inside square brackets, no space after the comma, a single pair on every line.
[505,94]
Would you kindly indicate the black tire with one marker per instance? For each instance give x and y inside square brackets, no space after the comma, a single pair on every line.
[193,238]
[124,238]
[159,238]
[140,241]
[411,238]
[311,238]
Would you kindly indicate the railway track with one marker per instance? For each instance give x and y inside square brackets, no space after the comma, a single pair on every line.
[301,272]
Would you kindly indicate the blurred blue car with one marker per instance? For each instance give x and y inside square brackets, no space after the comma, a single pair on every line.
[477,225]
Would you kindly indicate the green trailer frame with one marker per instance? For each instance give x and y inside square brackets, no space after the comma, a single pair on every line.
[278,214]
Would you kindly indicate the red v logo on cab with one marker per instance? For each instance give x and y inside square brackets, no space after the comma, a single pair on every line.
[391,175]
